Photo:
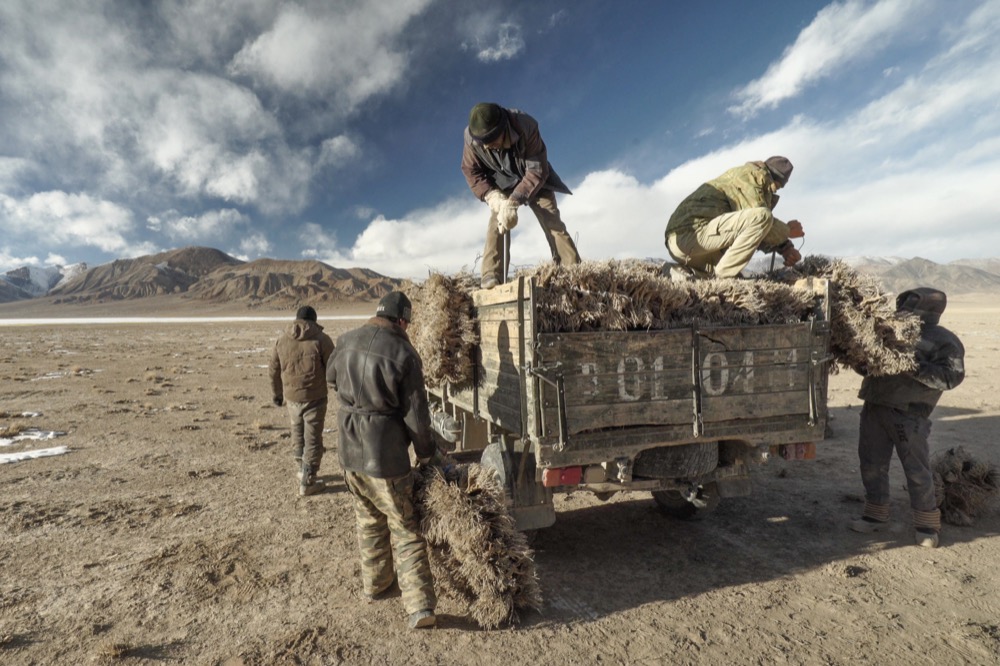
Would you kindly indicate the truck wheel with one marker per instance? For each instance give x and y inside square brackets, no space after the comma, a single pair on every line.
[674,504]
[675,462]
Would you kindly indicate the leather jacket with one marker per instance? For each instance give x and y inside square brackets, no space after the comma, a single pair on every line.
[379,380]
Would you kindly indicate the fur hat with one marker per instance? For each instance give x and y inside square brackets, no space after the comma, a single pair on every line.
[306,312]
[394,305]
[780,168]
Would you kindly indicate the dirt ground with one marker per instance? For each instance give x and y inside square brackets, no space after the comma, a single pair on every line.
[172,532]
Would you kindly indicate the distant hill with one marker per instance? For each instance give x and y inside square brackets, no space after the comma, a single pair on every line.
[957,277]
[171,272]
[282,282]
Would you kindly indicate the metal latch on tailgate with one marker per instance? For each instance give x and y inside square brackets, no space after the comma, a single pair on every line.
[542,372]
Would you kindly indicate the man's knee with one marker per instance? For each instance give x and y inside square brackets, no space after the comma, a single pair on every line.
[756,221]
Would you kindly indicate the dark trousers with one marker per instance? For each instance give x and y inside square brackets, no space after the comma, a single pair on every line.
[884,429]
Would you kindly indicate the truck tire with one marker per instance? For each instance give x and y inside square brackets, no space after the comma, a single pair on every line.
[677,462]
[674,504]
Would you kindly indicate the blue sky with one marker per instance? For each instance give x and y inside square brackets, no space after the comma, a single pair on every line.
[333,129]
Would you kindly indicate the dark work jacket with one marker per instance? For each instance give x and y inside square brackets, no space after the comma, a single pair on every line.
[940,360]
[520,170]
[379,379]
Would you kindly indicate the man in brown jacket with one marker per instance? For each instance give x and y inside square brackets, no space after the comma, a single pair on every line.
[506,165]
[298,381]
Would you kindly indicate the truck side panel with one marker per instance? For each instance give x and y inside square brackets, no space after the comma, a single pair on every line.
[650,378]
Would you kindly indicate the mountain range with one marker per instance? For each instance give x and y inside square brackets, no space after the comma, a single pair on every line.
[212,276]
[198,273]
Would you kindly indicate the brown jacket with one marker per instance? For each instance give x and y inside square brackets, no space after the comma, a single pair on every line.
[520,170]
[298,362]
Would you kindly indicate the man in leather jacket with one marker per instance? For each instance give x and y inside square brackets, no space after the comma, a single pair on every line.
[896,415]
[379,379]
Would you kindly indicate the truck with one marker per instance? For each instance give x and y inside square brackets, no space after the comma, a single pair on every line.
[682,413]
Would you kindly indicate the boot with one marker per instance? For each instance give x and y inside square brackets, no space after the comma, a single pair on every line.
[867,525]
[308,483]
[422,619]
[926,537]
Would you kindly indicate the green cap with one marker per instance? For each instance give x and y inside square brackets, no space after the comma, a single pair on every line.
[486,121]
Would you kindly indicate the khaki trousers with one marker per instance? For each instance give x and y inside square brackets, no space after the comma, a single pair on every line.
[561,244]
[724,246]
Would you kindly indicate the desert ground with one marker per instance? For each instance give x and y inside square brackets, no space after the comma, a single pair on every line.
[171,530]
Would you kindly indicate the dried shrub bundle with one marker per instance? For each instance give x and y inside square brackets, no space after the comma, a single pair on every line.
[965,487]
[477,555]
[635,295]
[866,333]
[444,330]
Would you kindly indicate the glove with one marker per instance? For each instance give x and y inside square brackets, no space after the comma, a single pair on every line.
[495,199]
[507,217]
[278,401]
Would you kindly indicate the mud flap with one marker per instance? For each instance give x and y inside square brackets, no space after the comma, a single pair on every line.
[530,502]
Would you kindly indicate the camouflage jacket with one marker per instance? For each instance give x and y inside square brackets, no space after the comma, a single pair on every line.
[379,379]
[298,362]
[940,360]
[742,187]
[521,170]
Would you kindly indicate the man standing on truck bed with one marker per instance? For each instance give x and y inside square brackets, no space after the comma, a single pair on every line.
[506,165]
[896,414]
[379,379]
[298,381]
[717,228]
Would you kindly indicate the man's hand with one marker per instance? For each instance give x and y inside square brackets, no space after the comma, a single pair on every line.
[795,229]
[507,217]
[278,401]
[495,199]
[791,255]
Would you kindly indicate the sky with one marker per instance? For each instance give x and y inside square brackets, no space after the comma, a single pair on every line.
[332,129]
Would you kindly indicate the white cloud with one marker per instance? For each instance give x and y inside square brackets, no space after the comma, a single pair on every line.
[9,260]
[320,49]
[255,245]
[208,226]
[337,151]
[98,103]
[841,34]
[72,219]
[507,44]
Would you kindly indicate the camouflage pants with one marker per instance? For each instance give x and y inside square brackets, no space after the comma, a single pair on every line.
[724,246]
[882,430]
[390,540]
[307,420]
[561,244]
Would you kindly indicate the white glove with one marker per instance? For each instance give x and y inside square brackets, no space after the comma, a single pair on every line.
[507,217]
[495,199]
